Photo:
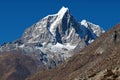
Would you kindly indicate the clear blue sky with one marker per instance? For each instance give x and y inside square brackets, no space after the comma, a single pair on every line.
[17,15]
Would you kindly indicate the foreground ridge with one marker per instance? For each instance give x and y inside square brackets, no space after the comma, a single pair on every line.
[99,61]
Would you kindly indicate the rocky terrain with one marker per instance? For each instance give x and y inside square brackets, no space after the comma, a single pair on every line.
[98,61]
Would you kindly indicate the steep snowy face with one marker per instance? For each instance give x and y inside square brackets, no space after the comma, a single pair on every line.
[60,16]
[60,27]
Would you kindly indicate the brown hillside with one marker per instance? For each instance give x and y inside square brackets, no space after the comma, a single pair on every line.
[16,66]
[99,61]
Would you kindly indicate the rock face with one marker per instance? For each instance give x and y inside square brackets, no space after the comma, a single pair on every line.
[98,61]
[54,38]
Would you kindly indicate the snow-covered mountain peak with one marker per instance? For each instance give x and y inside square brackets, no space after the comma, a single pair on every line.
[84,23]
[62,11]
[55,38]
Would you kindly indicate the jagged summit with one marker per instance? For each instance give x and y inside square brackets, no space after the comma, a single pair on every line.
[60,16]
[62,11]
